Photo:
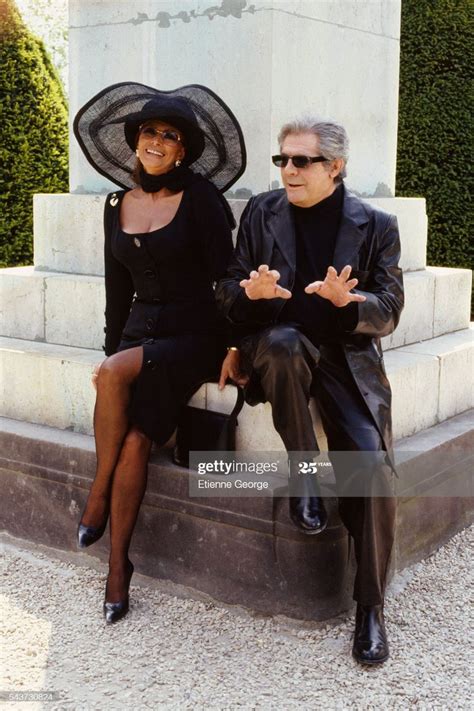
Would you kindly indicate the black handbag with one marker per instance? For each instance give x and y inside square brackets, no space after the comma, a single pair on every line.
[205,431]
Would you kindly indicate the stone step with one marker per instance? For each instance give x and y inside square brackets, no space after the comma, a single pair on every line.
[431,381]
[437,301]
[206,542]
[452,299]
[56,308]
[68,234]
[454,354]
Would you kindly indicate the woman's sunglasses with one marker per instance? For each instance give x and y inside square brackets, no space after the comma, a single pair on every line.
[167,136]
[298,161]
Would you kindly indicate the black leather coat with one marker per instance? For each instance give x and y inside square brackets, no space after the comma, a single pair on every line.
[368,240]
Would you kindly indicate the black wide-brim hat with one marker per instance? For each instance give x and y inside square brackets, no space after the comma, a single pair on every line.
[106,128]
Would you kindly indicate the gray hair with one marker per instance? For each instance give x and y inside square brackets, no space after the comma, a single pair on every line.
[332,137]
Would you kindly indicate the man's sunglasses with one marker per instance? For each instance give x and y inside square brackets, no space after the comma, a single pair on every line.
[167,136]
[298,161]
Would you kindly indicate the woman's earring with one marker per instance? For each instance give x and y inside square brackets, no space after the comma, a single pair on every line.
[177,163]
[137,153]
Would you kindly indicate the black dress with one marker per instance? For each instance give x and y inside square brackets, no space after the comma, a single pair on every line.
[160,295]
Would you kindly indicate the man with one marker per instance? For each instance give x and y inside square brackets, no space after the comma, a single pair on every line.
[307,331]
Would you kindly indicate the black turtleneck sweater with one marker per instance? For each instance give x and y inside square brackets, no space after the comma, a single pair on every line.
[316,230]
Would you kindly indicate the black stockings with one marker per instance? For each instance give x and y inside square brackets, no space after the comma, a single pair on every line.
[122,458]
[128,489]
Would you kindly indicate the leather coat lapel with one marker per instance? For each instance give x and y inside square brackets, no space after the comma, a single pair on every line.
[352,231]
[350,236]
[282,229]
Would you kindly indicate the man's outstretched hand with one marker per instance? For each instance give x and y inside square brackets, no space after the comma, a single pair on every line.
[262,284]
[336,288]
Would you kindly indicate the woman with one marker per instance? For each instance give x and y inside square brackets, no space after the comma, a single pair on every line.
[167,240]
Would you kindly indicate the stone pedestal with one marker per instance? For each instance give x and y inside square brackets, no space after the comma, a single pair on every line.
[268,59]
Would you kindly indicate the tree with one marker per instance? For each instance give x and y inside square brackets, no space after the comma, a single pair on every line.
[48,19]
[435,122]
[33,133]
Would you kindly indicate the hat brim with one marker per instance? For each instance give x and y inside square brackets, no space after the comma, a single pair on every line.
[216,147]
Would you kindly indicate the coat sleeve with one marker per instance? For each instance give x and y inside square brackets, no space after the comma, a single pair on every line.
[379,315]
[119,289]
[231,298]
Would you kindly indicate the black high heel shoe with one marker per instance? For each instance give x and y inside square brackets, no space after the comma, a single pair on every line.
[114,611]
[87,535]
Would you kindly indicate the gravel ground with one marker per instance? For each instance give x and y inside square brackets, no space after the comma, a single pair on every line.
[173,652]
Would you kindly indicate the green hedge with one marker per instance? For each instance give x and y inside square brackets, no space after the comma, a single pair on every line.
[33,134]
[435,122]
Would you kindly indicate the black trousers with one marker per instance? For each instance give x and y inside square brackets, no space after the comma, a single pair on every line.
[287,369]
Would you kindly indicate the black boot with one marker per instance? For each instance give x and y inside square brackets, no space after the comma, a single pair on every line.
[308,514]
[307,510]
[370,637]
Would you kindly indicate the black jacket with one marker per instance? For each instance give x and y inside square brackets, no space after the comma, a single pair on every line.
[368,240]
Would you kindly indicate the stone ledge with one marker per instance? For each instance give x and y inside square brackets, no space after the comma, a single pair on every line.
[207,544]
[48,384]
[455,355]
[419,299]
[36,306]
[68,233]
[22,303]
[452,299]
[36,309]
[428,383]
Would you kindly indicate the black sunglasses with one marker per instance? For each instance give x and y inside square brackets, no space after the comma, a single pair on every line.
[298,161]
[167,136]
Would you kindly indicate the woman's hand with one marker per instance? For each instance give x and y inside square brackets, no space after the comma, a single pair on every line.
[95,374]
[231,369]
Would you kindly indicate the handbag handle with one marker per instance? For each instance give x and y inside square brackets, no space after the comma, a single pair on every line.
[239,403]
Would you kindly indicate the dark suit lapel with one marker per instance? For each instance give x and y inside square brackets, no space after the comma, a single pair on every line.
[282,229]
[352,231]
